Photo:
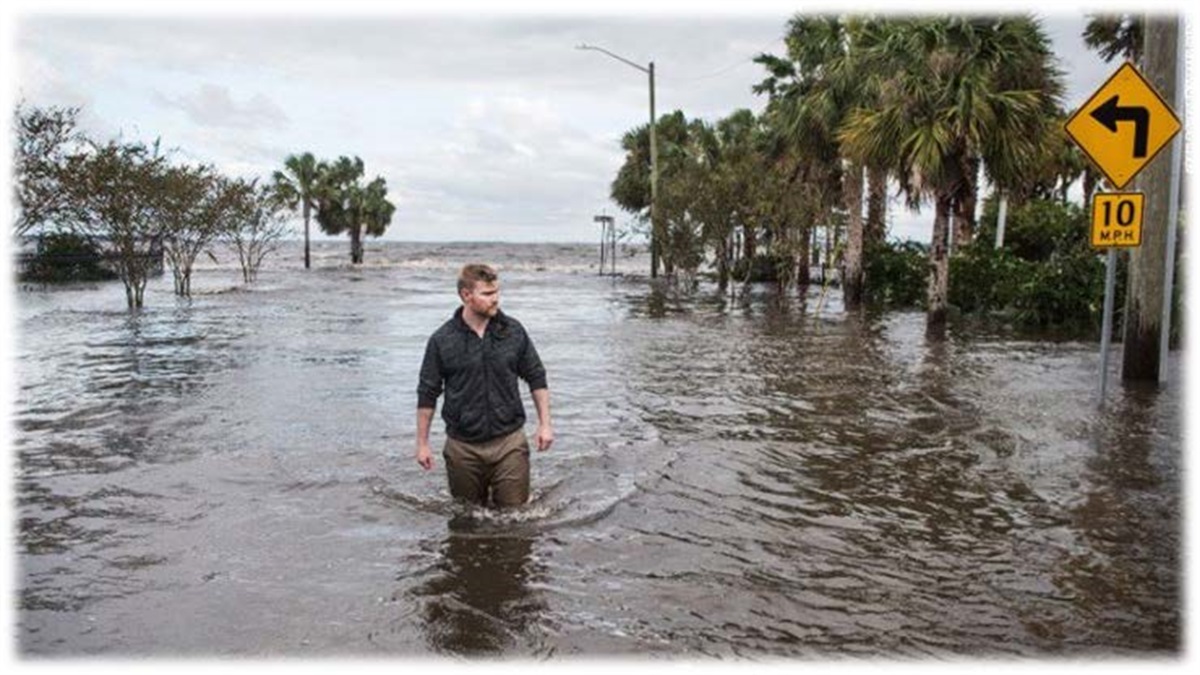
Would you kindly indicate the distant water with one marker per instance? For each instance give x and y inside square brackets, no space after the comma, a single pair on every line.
[735,475]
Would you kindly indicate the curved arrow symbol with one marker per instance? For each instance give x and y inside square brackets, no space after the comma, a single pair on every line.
[1109,113]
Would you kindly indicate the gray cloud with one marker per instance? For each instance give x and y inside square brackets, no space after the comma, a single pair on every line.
[214,106]
[476,122]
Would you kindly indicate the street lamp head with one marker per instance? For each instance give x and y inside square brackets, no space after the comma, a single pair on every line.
[618,57]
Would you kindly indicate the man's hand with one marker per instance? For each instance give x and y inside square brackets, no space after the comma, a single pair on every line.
[424,456]
[545,437]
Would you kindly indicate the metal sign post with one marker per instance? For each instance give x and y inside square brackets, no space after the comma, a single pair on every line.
[1110,283]
[1116,223]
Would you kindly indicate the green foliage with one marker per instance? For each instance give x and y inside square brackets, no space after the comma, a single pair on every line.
[1065,291]
[1037,229]
[1045,276]
[346,205]
[985,278]
[114,195]
[896,273]
[44,138]
[1115,36]
[66,257]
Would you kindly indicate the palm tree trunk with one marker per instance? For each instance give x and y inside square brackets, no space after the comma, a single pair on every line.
[876,230]
[853,190]
[939,270]
[356,247]
[964,208]
[307,262]
[1090,179]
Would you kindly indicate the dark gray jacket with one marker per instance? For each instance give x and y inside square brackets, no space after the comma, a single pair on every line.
[480,376]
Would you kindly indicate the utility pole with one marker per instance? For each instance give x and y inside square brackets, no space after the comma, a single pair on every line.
[1147,264]
[656,235]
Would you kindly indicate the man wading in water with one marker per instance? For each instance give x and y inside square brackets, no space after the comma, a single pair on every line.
[478,355]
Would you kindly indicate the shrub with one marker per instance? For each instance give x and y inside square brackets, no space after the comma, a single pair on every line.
[896,273]
[983,278]
[1037,229]
[66,257]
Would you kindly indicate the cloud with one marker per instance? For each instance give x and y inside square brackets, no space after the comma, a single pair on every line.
[214,106]
[481,123]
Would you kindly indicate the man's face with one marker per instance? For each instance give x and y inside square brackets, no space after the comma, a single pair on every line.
[484,299]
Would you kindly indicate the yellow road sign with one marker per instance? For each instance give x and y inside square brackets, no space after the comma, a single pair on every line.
[1123,125]
[1117,219]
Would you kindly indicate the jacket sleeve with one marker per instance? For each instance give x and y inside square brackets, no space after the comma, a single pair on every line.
[530,366]
[429,385]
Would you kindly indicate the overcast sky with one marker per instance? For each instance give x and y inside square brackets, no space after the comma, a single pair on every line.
[486,127]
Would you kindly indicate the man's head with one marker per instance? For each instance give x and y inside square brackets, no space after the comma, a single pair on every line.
[479,288]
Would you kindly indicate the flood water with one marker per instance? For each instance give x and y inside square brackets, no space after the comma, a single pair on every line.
[757,476]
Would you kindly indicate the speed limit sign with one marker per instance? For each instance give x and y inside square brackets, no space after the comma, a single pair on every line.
[1117,219]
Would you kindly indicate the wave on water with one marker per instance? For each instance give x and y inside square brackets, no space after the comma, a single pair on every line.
[507,257]
[593,487]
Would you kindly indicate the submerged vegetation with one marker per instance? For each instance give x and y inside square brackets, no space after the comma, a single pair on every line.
[948,112]
[122,208]
[952,114]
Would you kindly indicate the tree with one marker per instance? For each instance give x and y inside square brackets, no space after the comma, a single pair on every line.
[826,80]
[255,223]
[1115,35]
[803,184]
[631,188]
[297,187]
[1060,165]
[964,94]
[113,195]
[191,212]
[45,137]
[345,205]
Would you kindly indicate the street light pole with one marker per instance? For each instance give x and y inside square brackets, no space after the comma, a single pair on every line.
[655,234]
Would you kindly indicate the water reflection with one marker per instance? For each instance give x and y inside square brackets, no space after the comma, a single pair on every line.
[749,473]
[1129,519]
[480,601]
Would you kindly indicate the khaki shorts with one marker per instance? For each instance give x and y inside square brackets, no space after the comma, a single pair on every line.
[498,469]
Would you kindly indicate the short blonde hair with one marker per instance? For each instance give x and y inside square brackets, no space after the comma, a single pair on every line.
[473,274]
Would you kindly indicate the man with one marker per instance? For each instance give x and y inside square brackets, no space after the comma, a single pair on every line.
[478,355]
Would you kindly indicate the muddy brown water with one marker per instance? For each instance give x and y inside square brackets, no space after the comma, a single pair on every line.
[733,477]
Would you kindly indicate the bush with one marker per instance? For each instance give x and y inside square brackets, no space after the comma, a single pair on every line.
[1065,291]
[983,278]
[1047,275]
[897,273]
[66,257]
[1037,229]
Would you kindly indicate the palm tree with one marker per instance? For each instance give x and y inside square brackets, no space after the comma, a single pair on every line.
[829,80]
[965,93]
[631,187]
[345,205]
[297,188]
[1115,35]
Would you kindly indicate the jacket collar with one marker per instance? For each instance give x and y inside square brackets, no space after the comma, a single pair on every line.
[498,325]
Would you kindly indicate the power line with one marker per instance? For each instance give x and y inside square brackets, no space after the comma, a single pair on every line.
[722,71]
